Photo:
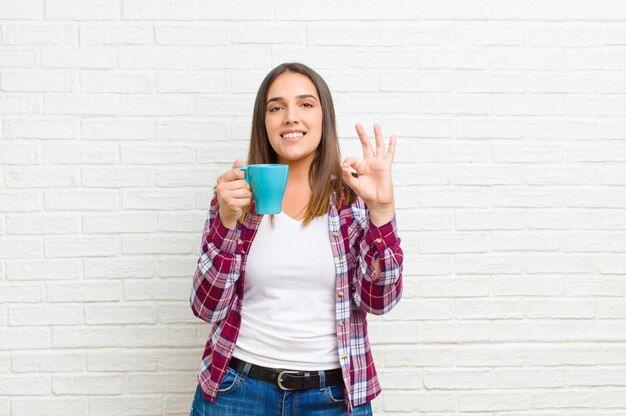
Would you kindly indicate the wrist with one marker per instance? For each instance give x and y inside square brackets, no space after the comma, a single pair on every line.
[381,215]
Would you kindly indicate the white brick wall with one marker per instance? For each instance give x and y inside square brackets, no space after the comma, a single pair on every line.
[117,116]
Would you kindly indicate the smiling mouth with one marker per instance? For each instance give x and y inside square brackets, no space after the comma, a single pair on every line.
[293,136]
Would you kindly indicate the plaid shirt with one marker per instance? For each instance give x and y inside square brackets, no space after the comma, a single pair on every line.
[218,288]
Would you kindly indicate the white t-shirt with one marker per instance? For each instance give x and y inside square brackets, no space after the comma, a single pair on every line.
[288,314]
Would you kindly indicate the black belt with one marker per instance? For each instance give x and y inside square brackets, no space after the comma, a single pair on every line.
[288,379]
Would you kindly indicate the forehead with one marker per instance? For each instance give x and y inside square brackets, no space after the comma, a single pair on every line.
[290,84]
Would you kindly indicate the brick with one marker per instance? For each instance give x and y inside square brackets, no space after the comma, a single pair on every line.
[119,314]
[161,289]
[458,151]
[118,177]
[148,57]
[24,385]
[24,338]
[525,241]
[39,34]
[426,33]
[92,385]
[22,10]
[126,222]
[195,10]
[45,315]
[369,10]
[139,155]
[21,293]
[102,82]
[453,243]
[49,406]
[191,83]
[15,103]
[177,177]
[177,266]
[479,34]
[494,355]
[270,33]
[221,57]
[492,401]
[119,268]
[163,105]
[82,246]
[456,58]
[157,200]
[563,355]
[82,10]
[425,81]
[513,153]
[224,105]
[83,200]
[81,154]
[175,360]
[179,313]
[48,362]
[41,177]
[548,399]
[20,201]
[563,82]
[126,405]
[489,175]
[39,128]
[191,130]
[465,286]
[161,336]
[83,291]
[98,337]
[411,401]
[468,197]
[22,58]
[214,34]
[115,34]
[51,269]
[489,309]
[305,11]
[82,104]
[490,82]
[561,309]
[18,153]
[20,248]
[40,81]
[561,129]
[118,129]
[457,379]
[162,383]
[117,360]
[81,58]
[456,331]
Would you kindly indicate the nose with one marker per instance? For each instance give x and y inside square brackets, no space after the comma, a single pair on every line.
[291,115]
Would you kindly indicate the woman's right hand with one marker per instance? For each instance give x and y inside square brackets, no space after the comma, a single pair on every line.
[233,195]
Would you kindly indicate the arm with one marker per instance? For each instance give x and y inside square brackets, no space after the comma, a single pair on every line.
[218,270]
[378,275]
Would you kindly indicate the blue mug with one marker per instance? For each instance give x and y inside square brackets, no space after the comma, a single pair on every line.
[268,183]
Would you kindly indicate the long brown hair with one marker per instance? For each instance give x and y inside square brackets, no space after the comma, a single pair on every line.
[325,174]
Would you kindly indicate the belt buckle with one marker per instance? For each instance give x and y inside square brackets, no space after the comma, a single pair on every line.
[279,381]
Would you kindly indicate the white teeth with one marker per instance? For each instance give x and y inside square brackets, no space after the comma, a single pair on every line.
[293,135]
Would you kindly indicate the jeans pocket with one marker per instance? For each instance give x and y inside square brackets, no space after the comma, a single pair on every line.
[229,381]
[335,394]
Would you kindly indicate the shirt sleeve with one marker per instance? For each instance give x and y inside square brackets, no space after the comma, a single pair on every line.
[218,269]
[377,292]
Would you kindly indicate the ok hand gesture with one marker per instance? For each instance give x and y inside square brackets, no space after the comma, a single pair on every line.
[373,184]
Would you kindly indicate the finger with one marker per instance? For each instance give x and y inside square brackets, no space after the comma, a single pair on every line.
[380,142]
[365,141]
[236,184]
[391,150]
[232,175]
[350,180]
[240,193]
[351,163]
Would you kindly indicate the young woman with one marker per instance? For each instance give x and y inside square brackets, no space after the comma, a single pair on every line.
[288,294]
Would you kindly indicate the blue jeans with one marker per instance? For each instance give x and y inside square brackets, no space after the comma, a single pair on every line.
[241,395]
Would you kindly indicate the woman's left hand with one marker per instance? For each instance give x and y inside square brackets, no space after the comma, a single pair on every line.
[373,184]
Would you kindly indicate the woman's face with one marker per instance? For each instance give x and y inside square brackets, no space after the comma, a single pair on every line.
[293,118]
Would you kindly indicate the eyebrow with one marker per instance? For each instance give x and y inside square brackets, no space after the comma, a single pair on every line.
[297,96]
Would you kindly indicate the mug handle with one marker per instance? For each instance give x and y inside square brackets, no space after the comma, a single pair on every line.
[245,170]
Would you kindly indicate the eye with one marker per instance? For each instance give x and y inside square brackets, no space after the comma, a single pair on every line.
[308,104]
[271,109]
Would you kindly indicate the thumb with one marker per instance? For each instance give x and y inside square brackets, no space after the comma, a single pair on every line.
[238,163]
